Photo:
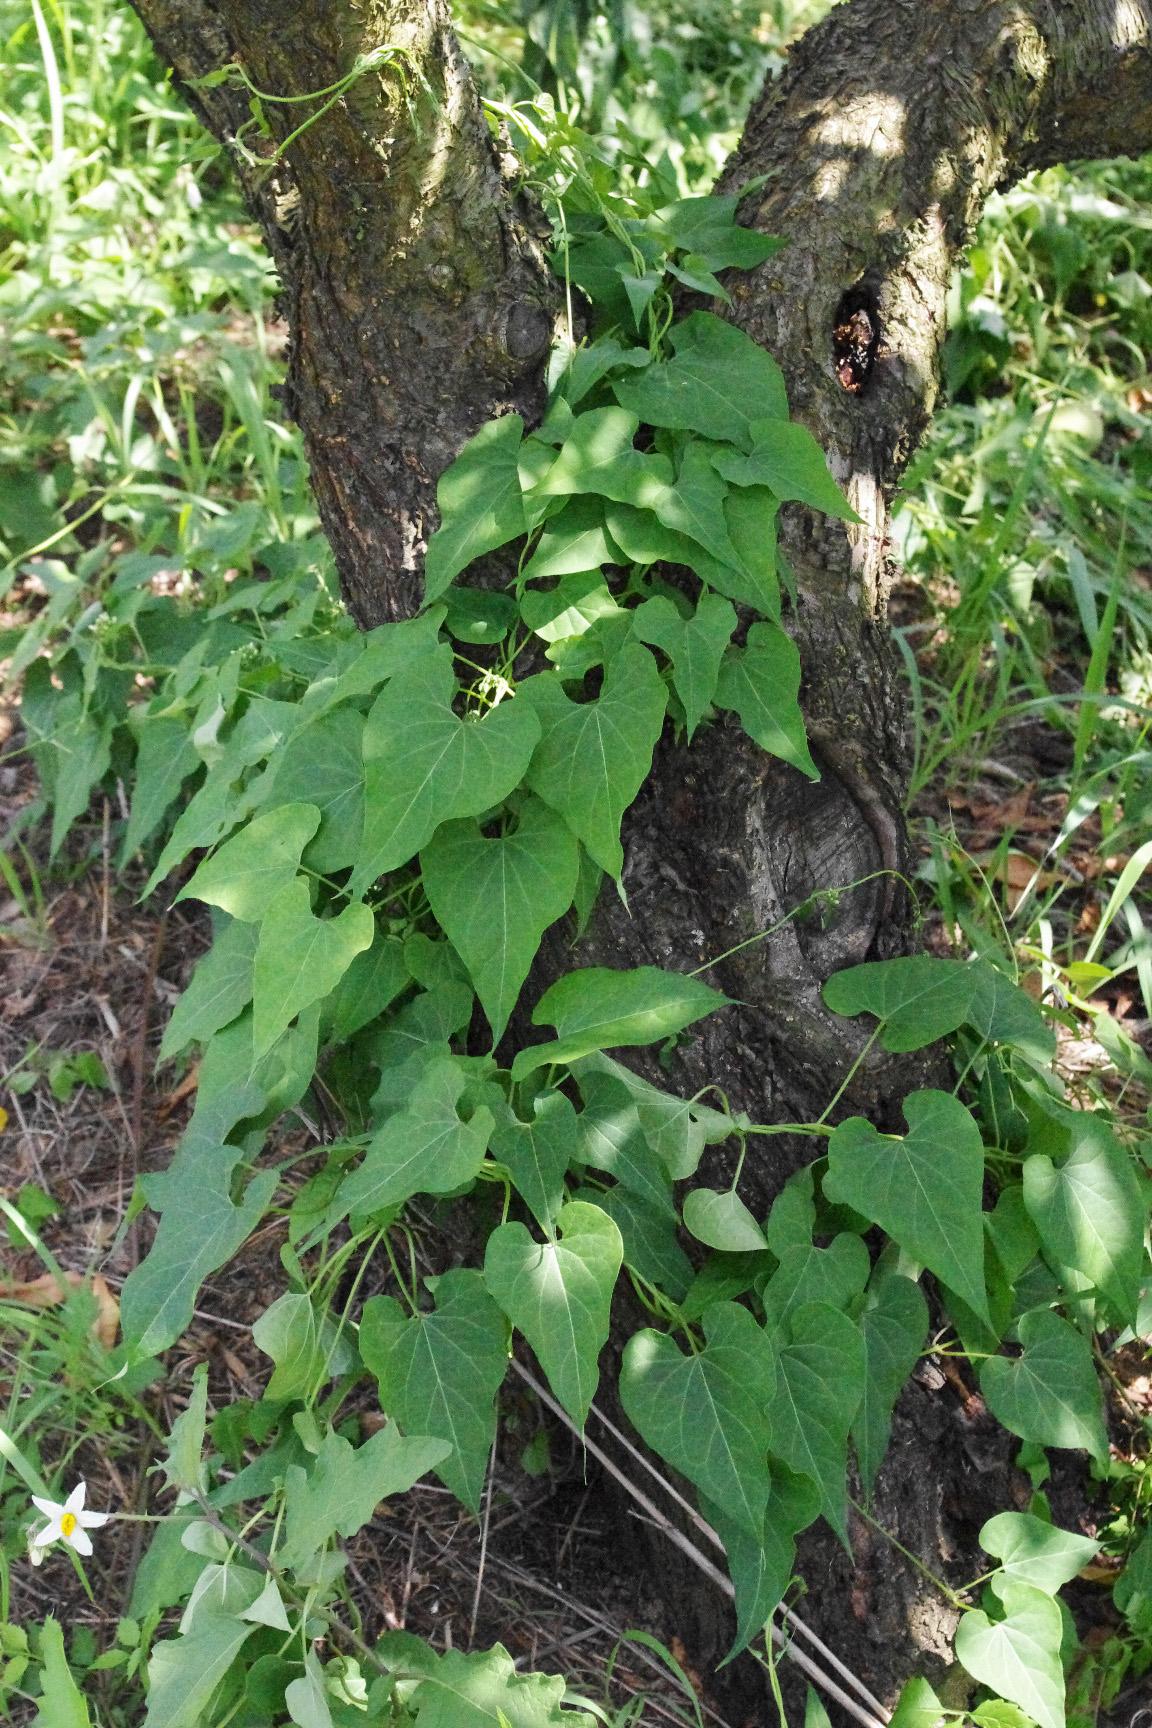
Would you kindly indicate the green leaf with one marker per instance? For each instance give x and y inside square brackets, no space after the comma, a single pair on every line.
[695,647]
[895,1325]
[220,989]
[571,608]
[573,540]
[184,1672]
[1018,1657]
[719,384]
[423,765]
[820,1384]
[343,1486]
[481,506]
[300,959]
[694,506]
[1035,1552]
[200,1229]
[165,757]
[593,757]
[721,1220]
[705,1414]
[424,1149]
[439,1373]
[836,1275]
[610,1138]
[371,984]
[536,1154]
[183,1467]
[289,1332]
[559,1294]
[761,682]
[760,1566]
[598,1008]
[1050,1394]
[306,1699]
[322,765]
[84,747]
[787,459]
[573,372]
[925,1190]
[479,615]
[483,1690]
[599,457]
[920,999]
[677,1129]
[708,226]
[494,898]
[651,1245]
[248,870]
[1090,1210]
[61,1702]
[917,1707]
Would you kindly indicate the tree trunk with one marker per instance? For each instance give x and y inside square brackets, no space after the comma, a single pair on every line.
[420,305]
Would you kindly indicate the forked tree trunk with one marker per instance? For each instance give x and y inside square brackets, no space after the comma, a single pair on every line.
[420,305]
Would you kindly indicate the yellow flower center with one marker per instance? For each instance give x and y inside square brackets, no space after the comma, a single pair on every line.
[68,1523]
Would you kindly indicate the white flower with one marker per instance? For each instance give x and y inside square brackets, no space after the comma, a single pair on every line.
[68,1523]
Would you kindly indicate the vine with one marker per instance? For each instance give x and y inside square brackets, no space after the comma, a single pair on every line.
[392,822]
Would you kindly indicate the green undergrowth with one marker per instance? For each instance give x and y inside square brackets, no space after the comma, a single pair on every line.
[385,825]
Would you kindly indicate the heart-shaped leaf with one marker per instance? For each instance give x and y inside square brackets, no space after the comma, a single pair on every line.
[424,1149]
[423,765]
[300,959]
[480,501]
[761,682]
[559,1294]
[1049,1395]
[1036,1552]
[706,1413]
[1018,1657]
[494,898]
[439,1372]
[925,1190]
[594,757]
[1090,1211]
[256,863]
[819,1388]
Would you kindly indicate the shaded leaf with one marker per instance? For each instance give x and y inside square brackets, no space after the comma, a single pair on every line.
[300,959]
[820,1384]
[695,647]
[559,1293]
[424,1149]
[761,682]
[250,869]
[439,1373]
[706,1413]
[480,503]
[343,1485]
[719,383]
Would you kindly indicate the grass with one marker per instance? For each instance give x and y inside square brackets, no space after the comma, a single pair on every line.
[152,500]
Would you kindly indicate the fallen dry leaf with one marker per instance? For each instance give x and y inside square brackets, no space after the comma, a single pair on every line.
[47,1292]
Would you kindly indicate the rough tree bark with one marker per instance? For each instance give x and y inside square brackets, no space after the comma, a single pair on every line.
[420,305]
